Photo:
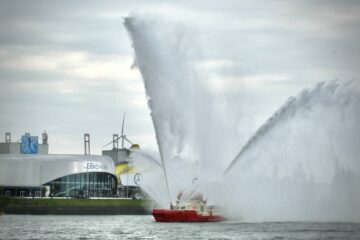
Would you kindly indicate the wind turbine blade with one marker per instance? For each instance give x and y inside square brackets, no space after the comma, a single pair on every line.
[107,144]
[123,123]
[113,141]
[128,140]
[122,131]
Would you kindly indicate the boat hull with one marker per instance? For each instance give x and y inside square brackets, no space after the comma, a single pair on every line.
[164,215]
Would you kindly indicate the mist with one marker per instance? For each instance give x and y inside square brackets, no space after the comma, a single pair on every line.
[303,163]
[182,106]
[300,165]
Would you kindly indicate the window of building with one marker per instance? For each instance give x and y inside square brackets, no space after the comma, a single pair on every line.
[92,184]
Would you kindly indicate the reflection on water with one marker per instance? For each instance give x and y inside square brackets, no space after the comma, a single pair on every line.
[144,227]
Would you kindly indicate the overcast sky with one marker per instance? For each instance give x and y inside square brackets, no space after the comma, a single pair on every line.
[65,66]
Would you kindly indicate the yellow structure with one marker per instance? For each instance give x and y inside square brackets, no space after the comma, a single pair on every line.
[126,174]
[124,168]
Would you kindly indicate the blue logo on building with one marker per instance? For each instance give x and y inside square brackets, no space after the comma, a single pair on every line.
[29,144]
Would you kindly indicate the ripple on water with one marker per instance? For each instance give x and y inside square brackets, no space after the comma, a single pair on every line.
[144,227]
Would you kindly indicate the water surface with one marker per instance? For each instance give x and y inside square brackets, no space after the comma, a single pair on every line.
[144,227]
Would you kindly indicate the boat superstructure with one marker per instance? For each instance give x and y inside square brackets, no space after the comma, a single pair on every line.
[193,210]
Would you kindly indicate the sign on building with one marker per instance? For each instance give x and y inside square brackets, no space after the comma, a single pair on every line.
[29,144]
[94,166]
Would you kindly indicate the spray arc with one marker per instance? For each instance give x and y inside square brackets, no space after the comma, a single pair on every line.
[290,169]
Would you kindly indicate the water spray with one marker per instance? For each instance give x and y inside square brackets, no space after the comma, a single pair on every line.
[286,111]
[129,22]
[301,164]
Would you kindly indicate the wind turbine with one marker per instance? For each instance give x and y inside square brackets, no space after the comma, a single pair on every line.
[122,136]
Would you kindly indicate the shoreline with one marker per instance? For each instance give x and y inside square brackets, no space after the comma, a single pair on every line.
[41,206]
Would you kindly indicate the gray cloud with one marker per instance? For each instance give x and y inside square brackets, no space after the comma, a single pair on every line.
[64,65]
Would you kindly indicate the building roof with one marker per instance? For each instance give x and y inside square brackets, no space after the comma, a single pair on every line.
[36,170]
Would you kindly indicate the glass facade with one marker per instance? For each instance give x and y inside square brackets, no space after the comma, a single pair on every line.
[10,191]
[90,184]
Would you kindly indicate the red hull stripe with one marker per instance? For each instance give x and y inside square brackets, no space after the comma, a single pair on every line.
[162,215]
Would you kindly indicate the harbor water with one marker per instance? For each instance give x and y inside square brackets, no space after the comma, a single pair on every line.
[144,227]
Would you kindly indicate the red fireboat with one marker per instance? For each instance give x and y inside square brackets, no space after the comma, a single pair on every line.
[193,210]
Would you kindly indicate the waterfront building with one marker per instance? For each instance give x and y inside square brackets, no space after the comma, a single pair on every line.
[27,170]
